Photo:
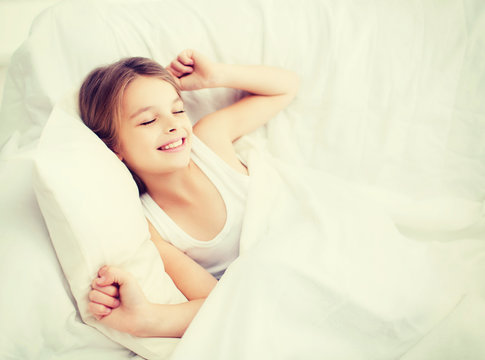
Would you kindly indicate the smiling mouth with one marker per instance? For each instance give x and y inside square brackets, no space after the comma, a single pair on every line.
[173,145]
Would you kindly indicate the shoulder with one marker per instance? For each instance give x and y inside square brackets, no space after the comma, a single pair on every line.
[155,236]
[220,144]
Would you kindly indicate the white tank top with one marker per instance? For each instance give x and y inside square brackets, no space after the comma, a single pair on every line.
[217,254]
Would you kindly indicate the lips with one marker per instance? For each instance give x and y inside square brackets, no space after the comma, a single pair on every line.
[173,144]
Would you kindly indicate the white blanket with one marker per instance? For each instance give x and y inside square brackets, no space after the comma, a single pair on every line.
[323,274]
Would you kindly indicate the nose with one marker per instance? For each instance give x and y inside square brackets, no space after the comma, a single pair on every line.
[170,125]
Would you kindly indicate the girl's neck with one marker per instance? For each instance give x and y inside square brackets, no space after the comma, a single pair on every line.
[176,187]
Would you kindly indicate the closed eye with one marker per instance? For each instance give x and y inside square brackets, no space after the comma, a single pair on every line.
[179,112]
[147,122]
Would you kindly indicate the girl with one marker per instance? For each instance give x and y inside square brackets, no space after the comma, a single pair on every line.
[192,185]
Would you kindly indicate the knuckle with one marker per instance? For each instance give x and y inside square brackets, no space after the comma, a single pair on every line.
[93,284]
[109,270]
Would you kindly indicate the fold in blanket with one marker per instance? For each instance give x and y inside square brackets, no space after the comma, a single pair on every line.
[323,273]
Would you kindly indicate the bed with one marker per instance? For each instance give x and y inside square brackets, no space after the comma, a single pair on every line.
[391,105]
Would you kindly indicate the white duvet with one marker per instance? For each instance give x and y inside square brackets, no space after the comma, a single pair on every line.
[324,274]
[380,253]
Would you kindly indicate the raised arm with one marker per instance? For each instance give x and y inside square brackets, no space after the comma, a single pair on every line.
[271,89]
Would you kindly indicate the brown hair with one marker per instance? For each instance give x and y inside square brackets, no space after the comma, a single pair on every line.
[102,92]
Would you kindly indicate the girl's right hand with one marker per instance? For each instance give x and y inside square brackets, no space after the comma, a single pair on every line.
[117,301]
[103,297]
[193,71]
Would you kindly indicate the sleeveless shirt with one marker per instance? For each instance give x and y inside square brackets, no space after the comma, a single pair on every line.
[216,254]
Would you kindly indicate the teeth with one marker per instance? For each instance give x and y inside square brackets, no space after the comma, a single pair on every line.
[172,145]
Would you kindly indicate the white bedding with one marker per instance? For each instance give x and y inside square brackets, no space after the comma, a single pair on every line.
[324,274]
[391,107]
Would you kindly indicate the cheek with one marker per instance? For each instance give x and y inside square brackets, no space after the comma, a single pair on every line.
[187,124]
[133,157]
[128,146]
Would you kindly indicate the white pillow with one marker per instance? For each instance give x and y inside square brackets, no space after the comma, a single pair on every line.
[91,206]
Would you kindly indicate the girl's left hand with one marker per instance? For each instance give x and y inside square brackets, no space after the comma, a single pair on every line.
[192,70]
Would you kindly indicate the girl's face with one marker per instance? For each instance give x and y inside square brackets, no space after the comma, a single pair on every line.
[155,133]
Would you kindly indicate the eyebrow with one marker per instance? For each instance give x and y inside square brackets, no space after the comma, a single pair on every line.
[146,108]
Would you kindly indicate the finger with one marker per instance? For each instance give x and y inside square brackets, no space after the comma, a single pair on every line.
[103,299]
[185,57]
[107,275]
[103,277]
[176,74]
[170,70]
[112,275]
[181,68]
[98,310]
[109,290]
[175,77]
